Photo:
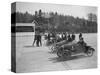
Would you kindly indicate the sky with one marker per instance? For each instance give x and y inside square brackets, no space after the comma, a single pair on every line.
[72,10]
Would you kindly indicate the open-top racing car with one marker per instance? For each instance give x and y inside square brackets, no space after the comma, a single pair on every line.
[69,49]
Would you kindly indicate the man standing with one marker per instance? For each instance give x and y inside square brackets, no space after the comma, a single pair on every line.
[73,36]
[40,39]
[69,38]
[80,35]
[35,39]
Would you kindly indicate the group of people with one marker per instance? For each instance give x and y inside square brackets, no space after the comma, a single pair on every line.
[55,37]
[37,39]
[61,36]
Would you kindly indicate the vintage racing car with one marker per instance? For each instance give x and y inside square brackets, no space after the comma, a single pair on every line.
[69,49]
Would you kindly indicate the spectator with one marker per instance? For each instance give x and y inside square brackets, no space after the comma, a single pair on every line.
[80,35]
[35,39]
[40,39]
[73,36]
[69,38]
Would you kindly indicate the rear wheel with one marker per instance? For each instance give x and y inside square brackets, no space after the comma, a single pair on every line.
[59,53]
[66,54]
[90,52]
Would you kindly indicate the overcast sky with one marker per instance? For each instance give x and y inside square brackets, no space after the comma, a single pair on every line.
[76,11]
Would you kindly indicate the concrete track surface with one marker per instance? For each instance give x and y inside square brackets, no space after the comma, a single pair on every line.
[39,59]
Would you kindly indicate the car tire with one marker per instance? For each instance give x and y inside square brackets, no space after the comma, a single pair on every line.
[66,54]
[59,53]
[90,52]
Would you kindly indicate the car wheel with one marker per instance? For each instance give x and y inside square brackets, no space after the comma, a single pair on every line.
[59,53]
[66,54]
[90,52]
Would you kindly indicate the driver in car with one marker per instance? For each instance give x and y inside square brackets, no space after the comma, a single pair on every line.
[81,42]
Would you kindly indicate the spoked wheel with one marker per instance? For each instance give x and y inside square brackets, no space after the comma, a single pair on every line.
[90,52]
[66,54]
[59,53]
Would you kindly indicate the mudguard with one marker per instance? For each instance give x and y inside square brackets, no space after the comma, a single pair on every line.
[89,47]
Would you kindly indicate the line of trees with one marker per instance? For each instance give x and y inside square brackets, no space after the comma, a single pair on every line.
[54,21]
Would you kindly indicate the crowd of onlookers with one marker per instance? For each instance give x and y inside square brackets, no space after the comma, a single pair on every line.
[54,37]
[61,36]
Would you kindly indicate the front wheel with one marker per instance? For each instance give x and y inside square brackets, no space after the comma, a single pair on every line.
[59,53]
[90,52]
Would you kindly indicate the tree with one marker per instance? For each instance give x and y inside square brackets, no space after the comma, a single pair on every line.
[92,17]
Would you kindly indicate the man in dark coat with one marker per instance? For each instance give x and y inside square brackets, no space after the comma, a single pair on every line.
[35,39]
[73,36]
[80,35]
[40,39]
[69,38]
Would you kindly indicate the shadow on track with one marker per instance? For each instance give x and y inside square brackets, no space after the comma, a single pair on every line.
[29,46]
[57,59]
